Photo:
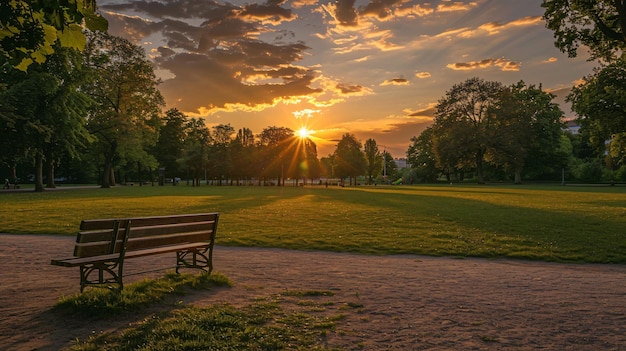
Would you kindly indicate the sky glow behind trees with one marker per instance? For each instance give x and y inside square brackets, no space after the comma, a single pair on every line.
[374,69]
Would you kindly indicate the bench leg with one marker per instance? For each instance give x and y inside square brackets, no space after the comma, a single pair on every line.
[195,258]
[98,274]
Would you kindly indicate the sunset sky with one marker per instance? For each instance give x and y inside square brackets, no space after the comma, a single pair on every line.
[374,69]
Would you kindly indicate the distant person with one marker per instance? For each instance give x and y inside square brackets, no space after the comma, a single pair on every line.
[6,183]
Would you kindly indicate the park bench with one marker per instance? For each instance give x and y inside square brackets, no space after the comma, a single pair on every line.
[103,245]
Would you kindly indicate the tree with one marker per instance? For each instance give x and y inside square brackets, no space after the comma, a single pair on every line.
[169,147]
[128,102]
[421,156]
[303,155]
[599,25]
[46,118]
[245,163]
[349,159]
[327,165]
[616,155]
[464,123]
[273,145]
[29,30]
[220,163]
[195,158]
[526,130]
[390,166]
[374,160]
[600,104]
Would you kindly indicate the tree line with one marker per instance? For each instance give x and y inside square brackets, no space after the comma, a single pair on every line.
[86,107]
[96,116]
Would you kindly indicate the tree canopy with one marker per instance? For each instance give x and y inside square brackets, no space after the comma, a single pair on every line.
[349,160]
[126,115]
[30,29]
[463,124]
[479,121]
[600,104]
[599,25]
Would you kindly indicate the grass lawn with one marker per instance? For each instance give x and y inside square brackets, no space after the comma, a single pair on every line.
[542,222]
[551,223]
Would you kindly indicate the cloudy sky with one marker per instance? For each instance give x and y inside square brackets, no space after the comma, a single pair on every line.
[372,68]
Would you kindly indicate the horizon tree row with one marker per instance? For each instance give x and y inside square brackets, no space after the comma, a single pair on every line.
[96,115]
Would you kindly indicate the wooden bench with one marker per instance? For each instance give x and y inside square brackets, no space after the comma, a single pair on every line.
[103,245]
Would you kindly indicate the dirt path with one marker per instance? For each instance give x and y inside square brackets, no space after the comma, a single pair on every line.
[408,302]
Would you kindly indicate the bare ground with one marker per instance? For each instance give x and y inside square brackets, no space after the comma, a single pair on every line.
[407,302]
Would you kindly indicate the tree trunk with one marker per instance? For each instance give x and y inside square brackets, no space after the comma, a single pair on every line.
[50,173]
[106,174]
[479,167]
[112,181]
[39,173]
[108,177]
[518,176]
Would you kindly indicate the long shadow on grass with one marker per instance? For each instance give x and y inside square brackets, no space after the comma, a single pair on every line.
[442,225]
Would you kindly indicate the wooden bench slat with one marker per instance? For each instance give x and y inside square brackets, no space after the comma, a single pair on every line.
[93,249]
[165,249]
[155,230]
[163,240]
[95,224]
[95,235]
[77,261]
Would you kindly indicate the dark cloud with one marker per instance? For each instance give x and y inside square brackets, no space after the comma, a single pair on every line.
[204,82]
[346,13]
[272,12]
[349,89]
[429,112]
[131,28]
[217,59]
[184,9]
[396,81]
[380,8]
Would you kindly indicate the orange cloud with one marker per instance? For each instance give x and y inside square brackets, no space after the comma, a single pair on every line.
[455,6]
[395,81]
[504,65]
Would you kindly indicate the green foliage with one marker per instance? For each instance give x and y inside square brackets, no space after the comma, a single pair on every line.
[126,115]
[421,156]
[99,302]
[29,30]
[374,159]
[552,223]
[46,118]
[597,25]
[599,104]
[349,160]
[480,124]
[463,125]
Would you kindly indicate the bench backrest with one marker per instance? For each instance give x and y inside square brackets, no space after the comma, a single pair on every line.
[106,236]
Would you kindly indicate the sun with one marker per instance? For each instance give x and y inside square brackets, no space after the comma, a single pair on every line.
[303,133]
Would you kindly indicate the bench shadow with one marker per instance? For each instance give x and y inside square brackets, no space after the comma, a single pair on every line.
[56,329]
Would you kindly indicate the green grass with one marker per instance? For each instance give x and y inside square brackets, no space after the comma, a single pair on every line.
[102,302]
[264,325]
[539,222]
[552,223]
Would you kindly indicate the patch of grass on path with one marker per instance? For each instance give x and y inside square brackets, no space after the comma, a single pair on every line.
[539,222]
[103,302]
[263,325]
